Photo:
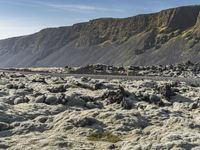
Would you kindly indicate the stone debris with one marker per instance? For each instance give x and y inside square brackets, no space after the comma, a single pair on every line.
[185,69]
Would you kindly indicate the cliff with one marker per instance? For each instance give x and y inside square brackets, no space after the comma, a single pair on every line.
[166,37]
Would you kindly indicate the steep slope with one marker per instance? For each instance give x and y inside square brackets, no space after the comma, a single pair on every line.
[169,36]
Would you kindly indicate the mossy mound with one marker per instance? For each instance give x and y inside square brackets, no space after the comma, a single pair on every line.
[104,136]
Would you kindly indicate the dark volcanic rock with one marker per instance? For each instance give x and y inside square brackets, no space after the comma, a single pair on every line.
[41,80]
[58,89]
[155,99]
[86,121]
[75,100]
[4,126]
[51,100]
[127,103]
[40,99]
[115,96]
[167,91]
[19,100]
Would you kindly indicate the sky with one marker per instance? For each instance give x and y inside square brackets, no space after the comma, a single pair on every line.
[22,17]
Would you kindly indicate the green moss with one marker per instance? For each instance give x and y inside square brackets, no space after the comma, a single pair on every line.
[104,136]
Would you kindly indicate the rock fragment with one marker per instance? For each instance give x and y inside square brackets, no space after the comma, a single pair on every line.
[127,103]
[51,100]
[86,121]
[19,100]
[4,126]
[40,99]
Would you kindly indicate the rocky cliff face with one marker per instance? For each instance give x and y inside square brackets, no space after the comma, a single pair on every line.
[167,37]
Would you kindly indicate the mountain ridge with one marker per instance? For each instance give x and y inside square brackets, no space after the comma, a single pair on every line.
[166,37]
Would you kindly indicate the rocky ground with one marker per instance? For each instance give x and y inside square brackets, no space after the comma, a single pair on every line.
[44,112]
[186,69]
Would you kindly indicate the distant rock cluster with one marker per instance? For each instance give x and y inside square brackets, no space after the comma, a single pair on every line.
[45,112]
[187,69]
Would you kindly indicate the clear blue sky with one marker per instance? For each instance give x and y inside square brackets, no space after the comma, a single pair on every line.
[20,17]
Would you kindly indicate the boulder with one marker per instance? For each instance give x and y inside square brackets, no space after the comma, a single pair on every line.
[57,89]
[40,80]
[4,126]
[19,100]
[75,101]
[51,100]
[127,103]
[83,122]
[40,99]
[194,105]
[92,105]
[167,92]
[115,96]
